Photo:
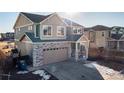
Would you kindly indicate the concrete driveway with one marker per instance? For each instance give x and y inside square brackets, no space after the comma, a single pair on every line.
[73,71]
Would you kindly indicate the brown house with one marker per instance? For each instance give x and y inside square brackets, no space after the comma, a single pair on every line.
[109,39]
[98,36]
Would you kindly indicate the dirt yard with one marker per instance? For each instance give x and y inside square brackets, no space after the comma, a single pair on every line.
[110,70]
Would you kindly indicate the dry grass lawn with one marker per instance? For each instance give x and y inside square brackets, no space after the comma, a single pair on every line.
[4,44]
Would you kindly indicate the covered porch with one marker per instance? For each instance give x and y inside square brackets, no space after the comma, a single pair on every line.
[79,49]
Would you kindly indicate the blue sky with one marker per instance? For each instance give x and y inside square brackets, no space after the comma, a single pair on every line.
[7,19]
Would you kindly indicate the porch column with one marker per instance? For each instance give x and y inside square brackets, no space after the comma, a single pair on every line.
[69,50]
[118,45]
[76,52]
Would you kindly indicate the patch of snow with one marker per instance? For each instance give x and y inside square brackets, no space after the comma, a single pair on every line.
[22,72]
[38,72]
[46,77]
[43,74]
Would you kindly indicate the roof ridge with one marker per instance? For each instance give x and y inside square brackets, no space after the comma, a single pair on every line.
[32,14]
[36,18]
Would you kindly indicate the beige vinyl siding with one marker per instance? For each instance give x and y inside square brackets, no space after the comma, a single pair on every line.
[53,21]
[21,21]
[25,48]
[99,41]
[19,34]
[22,24]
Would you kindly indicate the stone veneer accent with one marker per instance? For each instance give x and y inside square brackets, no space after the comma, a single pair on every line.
[38,51]
[37,55]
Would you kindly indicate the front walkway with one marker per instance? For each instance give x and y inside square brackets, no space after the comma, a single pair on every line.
[110,70]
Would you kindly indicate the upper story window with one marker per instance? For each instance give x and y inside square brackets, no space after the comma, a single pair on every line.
[47,30]
[29,27]
[77,30]
[103,34]
[17,29]
[60,30]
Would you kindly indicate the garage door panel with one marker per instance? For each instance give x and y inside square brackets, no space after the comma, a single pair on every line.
[55,55]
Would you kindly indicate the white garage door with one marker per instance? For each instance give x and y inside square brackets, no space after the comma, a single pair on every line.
[52,55]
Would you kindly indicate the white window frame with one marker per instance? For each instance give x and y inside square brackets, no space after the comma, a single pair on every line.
[58,27]
[47,34]
[18,29]
[77,28]
[73,30]
[30,27]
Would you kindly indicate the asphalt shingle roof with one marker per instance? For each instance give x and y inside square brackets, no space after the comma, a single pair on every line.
[33,39]
[73,37]
[116,36]
[69,22]
[97,28]
[35,17]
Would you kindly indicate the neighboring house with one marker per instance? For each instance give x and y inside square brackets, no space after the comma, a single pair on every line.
[7,36]
[49,38]
[10,35]
[116,39]
[98,36]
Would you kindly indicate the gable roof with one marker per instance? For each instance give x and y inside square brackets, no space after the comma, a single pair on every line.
[32,38]
[35,40]
[69,22]
[116,36]
[97,28]
[117,28]
[73,37]
[35,17]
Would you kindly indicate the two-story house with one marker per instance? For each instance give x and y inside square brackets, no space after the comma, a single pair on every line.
[49,38]
[116,39]
[98,36]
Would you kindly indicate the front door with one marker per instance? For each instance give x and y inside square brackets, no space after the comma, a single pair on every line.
[82,52]
[73,50]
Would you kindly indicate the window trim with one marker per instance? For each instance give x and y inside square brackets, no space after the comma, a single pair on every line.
[18,29]
[30,27]
[64,31]
[73,30]
[51,30]
[77,28]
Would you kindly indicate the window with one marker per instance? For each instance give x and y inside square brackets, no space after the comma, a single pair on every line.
[60,31]
[47,30]
[79,30]
[37,30]
[29,27]
[92,36]
[75,30]
[103,34]
[17,29]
